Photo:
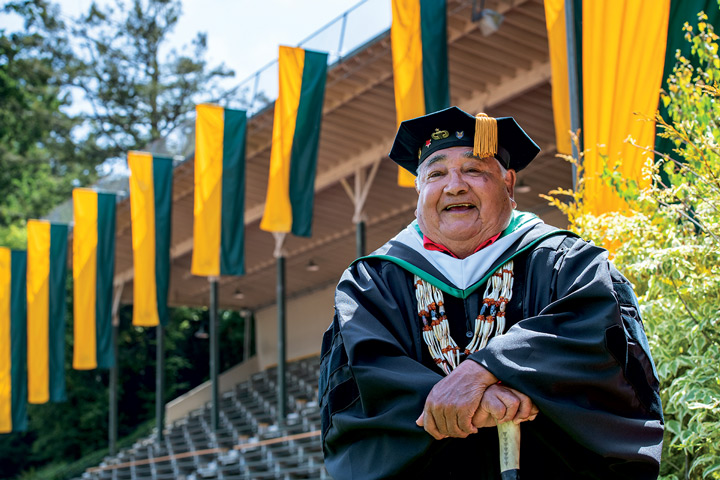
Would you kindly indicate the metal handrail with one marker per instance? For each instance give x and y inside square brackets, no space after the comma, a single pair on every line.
[259,99]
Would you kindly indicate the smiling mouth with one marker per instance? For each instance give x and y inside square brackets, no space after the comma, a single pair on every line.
[459,207]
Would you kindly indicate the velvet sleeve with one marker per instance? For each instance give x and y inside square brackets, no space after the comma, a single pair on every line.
[372,385]
[582,358]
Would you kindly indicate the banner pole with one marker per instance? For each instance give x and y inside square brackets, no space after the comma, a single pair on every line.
[160,382]
[573,84]
[112,411]
[214,354]
[112,388]
[282,325]
[363,183]
[360,239]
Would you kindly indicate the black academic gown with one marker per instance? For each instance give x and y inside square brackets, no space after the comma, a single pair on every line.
[574,344]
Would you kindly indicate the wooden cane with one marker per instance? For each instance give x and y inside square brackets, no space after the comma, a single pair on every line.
[509,436]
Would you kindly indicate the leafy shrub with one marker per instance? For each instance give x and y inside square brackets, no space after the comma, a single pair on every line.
[668,244]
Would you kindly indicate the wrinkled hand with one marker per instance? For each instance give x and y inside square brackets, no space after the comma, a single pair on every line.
[501,404]
[452,404]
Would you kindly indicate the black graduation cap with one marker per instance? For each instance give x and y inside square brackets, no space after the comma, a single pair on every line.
[501,138]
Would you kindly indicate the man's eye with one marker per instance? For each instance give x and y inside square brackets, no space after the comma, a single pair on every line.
[434,174]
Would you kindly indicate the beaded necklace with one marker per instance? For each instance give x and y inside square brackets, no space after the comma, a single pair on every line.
[489,323]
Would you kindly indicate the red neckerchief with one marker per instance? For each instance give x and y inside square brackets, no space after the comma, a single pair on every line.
[430,245]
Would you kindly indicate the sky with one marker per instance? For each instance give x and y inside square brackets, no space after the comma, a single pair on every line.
[245,34]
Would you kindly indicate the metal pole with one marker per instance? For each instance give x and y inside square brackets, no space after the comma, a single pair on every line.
[255,90]
[112,388]
[360,238]
[214,353]
[246,341]
[160,382]
[112,423]
[573,87]
[342,35]
[282,410]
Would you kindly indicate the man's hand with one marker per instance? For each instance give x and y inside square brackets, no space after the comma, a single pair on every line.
[502,404]
[470,398]
[454,400]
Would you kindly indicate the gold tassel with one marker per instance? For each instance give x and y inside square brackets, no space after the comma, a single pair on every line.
[486,137]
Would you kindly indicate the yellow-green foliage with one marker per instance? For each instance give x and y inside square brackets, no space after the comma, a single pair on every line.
[668,244]
[14,236]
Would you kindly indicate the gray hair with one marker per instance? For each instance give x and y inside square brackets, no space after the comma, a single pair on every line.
[421,168]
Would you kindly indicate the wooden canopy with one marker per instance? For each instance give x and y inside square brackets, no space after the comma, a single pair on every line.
[505,74]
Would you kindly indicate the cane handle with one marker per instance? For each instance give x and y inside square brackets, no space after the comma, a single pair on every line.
[509,437]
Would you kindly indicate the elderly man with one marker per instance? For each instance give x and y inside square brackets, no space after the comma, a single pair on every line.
[476,315]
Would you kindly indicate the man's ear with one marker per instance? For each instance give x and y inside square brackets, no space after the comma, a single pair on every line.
[510,179]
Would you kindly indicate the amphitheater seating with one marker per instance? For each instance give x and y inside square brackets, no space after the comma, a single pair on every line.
[249,444]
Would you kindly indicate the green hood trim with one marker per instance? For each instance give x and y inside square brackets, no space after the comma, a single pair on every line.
[517,221]
[456,292]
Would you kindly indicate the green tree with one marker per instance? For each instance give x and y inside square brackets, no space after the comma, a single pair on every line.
[74,93]
[668,244]
[62,432]
[39,161]
[139,90]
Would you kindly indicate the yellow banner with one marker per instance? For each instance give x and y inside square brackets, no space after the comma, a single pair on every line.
[557,42]
[38,308]
[278,209]
[5,345]
[623,56]
[406,41]
[85,241]
[142,212]
[209,131]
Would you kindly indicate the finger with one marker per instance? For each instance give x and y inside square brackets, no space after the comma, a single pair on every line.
[431,426]
[510,401]
[465,425]
[512,404]
[493,404]
[524,409]
[483,419]
[447,422]
[419,422]
[527,410]
[428,421]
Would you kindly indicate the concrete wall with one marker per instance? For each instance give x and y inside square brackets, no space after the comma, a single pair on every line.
[200,395]
[307,319]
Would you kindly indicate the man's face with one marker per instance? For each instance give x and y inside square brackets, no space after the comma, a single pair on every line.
[463,200]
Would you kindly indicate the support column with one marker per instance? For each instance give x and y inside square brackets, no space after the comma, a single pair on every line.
[282,325]
[360,239]
[358,195]
[573,86]
[112,393]
[214,354]
[247,318]
[160,382]
[112,390]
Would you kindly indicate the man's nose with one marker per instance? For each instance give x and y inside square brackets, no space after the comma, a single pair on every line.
[456,183]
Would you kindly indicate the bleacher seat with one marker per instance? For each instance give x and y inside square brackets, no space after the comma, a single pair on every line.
[247,417]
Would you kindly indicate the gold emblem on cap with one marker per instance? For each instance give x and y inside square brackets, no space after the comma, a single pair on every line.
[440,134]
